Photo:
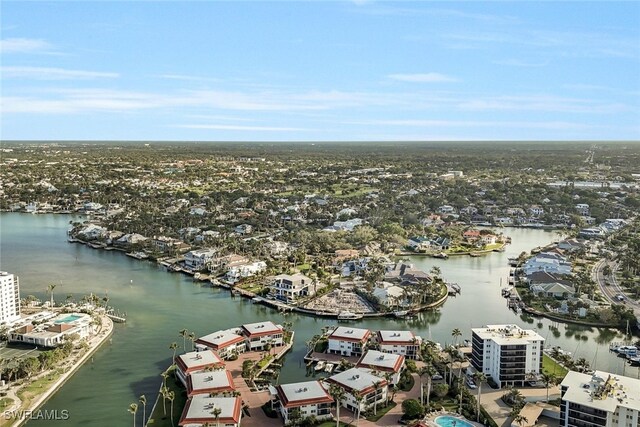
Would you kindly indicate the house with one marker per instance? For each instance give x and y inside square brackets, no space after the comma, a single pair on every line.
[165,244]
[196,210]
[194,361]
[130,239]
[571,245]
[582,209]
[471,235]
[243,229]
[536,210]
[347,341]
[391,295]
[354,267]
[419,243]
[488,239]
[291,287]
[200,408]
[601,398]
[210,382]
[556,290]
[446,209]
[199,259]
[227,261]
[259,335]
[225,343]
[440,243]
[548,262]
[92,232]
[360,383]
[506,353]
[239,272]
[309,397]
[400,342]
[386,363]
[278,249]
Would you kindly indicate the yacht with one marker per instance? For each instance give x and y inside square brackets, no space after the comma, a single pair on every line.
[348,315]
[329,367]
[319,366]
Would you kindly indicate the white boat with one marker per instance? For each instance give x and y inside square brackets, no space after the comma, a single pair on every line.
[348,315]
[329,367]
[401,313]
[319,366]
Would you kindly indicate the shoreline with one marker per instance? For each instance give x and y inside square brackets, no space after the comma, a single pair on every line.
[106,330]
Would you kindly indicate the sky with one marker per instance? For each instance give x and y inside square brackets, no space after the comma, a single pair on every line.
[320,70]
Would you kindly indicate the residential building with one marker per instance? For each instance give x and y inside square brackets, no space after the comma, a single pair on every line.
[244,229]
[599,399]
[199,411]
[259,334]
[379,361]
[290,288]
[309,397]
[53,331]
[400,342]
[9,298]
[536,210]
[239,272]
[210,382]
[224,343]
[195,361]
[348,341]
[358,382]
[582,209]
[556,290]
[419,243]
[199,259]
[506,353]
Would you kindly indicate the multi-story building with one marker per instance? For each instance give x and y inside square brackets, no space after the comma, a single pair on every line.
[391,364]
[599,399]
[195,361]
[348,341]
[309,397]
[53,330]
[289,288]
[199,259]
[9,298]
[258,335]
[224,343]
[210,382]
[200,409]
[506,353]
[400,342]
[359,383]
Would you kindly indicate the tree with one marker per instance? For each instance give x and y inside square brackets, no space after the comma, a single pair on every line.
[412,409]
[549,380]
[50,289]
[184,334]
[456,333]
[519,419]
[173,346]
[479,378]
[338,395]
[376,388]
[216,414]
[430,371]
[171,396]
[359,398]
[192,337]
[143,401]
[133,408]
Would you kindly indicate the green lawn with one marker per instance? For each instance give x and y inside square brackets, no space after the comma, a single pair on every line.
[381,412]
[158,418]
[332,424]
[5,402]
[550,366]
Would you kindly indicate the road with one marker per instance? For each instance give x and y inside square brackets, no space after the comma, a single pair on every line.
[610,291]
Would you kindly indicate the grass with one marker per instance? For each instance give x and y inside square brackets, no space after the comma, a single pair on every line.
[381,412]
[5,402]
[29,392]
[550,366]
[332,424]
[158,418]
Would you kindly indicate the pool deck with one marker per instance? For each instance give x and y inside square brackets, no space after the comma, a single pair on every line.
[431,417]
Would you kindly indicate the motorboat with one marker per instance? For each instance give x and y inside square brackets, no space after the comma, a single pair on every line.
[348,315]
[319,366]
[329,367]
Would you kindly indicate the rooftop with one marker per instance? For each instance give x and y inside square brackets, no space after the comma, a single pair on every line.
[507,334]
[221,338]
[210,381]
[356,379]
[262,328]
[602,390]
[396,336]
[348,333]
[382,361]
[200,407]
[196,359]
[305,392]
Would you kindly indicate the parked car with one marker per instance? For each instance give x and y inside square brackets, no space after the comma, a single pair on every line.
[471,384]
[436,377]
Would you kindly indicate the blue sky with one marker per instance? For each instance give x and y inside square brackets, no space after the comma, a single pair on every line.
[316,71]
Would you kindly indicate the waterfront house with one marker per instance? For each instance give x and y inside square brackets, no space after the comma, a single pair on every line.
[225,262]
[199,259]
[92,232]
[571,245]
[536,210]
[506,353]
[53,331]
[309,397]
[194,361]
[488,239]
[164,245]
[419,243]
[239,272]
[210,382]
[391,295]
[347,341]
[358,382]
[556,290]
[548,262]
[440,243]
[260,334]
[129,240]
[382,362]
[225,343]
[399,342]
[291,287]
[199,411]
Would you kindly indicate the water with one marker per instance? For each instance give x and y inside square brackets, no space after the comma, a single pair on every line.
[159,304]
[447,421]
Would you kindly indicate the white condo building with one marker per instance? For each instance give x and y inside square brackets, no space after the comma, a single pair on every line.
[506,353]
[9,298]
[309,397]
[599,399]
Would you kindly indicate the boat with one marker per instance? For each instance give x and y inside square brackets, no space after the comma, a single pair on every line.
[348,315]
[500,249]
[627,350]
[441,255]
[319,366]
[329,367]
[474,254]
[176,268]
[401,313]
[138,255]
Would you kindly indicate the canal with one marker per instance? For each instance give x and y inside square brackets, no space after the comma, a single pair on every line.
[159,304]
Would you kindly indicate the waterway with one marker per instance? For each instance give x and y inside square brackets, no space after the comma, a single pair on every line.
[159,304]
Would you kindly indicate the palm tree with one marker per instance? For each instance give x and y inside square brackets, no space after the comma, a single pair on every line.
[338,395]
[163,391]
[421,372]
[456,333]
[173,346]
[430,371]
[143,401]
[376,387]
[549,380]
[184,334]
[133,408]
[479,378]
[171,395]
[50,289]
[216,414]
[192,337]
[519,419]
[359,399]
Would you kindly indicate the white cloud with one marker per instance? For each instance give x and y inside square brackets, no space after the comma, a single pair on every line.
[423,78]
[44,73]
[551,125]
[520,63]
[246,128]
[22,45]
[549,103]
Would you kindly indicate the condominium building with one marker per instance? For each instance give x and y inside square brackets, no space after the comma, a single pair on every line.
[225,343]
[309,397]
[392,364]
[599,399]
[195,361]
[506,353]
[200,410]
[400,342]
[362,389]
[9,297]
[259,335]
[348,341]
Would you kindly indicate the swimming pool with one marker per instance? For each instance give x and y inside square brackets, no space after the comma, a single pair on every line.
[449,421]
[70,318]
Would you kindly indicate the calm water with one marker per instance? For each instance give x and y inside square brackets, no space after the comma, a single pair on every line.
[159,304]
